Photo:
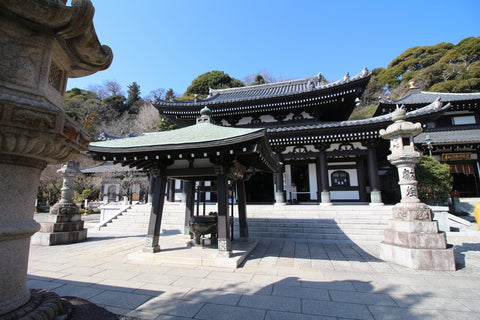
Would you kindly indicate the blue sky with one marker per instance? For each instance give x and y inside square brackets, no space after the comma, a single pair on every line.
[167,44]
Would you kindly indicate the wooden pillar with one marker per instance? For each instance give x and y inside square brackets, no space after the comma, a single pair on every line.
[171,190]
[322,176]
[375,193]
[242,210]
[280,196]
[224,242]
[153,234]
[361,179]
[151,186]
[189,203]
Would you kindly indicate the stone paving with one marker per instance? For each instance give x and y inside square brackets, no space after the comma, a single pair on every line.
[279,280]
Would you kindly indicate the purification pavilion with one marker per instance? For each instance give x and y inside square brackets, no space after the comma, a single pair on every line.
[325,157]
[196,153]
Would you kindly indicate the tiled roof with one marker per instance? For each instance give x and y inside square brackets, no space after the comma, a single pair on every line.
[424,97]
[192,136]
[106,167]
[451,135]
[266,91]
[432,108]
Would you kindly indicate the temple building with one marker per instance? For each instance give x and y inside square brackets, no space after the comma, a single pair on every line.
[325,157]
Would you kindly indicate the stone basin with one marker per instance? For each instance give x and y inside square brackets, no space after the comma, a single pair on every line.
[202,225]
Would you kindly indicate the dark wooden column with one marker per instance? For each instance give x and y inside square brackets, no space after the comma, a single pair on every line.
[361,179]
[375,193]
[242,210]
[153,234]
[280,198]
[189,203]
[171,190]
[150,188]
[224,245]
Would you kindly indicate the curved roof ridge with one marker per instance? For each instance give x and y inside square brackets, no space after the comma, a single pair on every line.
[420,97]
[305,80]
[433,107]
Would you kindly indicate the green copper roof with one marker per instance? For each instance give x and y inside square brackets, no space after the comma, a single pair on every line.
[196,135]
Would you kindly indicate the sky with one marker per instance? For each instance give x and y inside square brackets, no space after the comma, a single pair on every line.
[168,43]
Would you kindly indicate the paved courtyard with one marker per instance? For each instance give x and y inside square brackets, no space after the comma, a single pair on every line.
[279,280]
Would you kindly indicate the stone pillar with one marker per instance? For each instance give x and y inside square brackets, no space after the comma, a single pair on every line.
[64,224]
[43,43]
[154,224]
[224,242]
[412,240]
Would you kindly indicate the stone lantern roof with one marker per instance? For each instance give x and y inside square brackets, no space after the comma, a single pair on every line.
[400,127]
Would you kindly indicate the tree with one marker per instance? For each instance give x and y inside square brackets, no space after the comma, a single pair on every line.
[434,180]
[213,79]
[156,94]
[133,93]
[147,119]
[267,76]
[258,80]
[169,95]
[117,103]
[50,185]
[112,88]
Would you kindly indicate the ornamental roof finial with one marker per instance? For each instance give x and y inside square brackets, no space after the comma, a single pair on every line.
[205,116]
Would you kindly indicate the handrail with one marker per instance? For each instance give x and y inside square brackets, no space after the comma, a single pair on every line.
[104,220]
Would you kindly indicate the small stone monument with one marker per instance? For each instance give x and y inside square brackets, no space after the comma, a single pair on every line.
[64,224]
[412,240]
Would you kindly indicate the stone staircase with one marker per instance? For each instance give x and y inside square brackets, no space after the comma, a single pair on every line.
[327,224]
[333,224]
[135,220]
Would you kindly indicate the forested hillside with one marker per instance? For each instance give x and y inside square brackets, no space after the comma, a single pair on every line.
[443,67]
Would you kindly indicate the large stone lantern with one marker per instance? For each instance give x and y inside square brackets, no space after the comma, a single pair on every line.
[42,44]
[412,239]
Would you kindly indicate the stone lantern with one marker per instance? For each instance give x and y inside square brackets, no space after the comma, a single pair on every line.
[412,239]
[42,44]
[64,224]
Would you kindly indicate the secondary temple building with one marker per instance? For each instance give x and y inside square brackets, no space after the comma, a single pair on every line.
[452,138]
[325,158]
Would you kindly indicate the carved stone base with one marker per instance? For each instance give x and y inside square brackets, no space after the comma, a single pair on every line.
[280,198]
[418,245]
[419,259]
[376,198]
[224,248]
[60,229]
[412,211]
[43,304]
[325,199]
[151,244]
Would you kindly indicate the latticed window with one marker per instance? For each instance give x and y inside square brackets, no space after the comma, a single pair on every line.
[340,179]
[55,77]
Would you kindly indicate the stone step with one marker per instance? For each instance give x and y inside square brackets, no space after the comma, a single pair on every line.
[301,223]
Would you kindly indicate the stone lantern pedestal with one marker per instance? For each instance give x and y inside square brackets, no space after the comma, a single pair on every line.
[413,239]
[64,223]
[42,44]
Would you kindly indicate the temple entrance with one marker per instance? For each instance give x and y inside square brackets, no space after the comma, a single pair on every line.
[301,181]
[259,188]
[465,184]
